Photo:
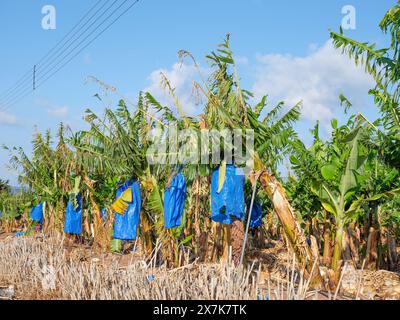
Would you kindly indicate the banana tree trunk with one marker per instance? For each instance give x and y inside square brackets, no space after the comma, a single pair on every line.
[392,251]
[327,252]
[101,235]
[337,252]
[291,227]
[373,239]
[347,256]
[270,224]
[314,247]
[354,244]
[326,258]
[147,232]
[372,249]
[226,241]
[237,238]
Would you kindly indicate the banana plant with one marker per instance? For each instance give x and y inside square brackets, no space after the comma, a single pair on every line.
[337,200]
[337,174]
[383,64]
[333,173]
[228,107]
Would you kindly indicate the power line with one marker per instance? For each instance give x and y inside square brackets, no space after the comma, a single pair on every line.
[98,26]
[24,94]
[50,61]
[76,25]
[95,38]
[16,97]
[28,75]
[28,84]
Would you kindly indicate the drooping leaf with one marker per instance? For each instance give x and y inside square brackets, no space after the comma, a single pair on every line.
[328,207]
[155,202]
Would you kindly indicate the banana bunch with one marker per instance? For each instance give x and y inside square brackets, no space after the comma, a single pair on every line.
[122,203]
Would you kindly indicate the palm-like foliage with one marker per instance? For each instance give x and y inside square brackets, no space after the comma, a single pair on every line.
[47,172]
[4,186]
[113,146]
[338,172]
[384,66]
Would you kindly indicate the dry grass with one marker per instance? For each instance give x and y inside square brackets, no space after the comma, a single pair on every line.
[24,263]
[80,274]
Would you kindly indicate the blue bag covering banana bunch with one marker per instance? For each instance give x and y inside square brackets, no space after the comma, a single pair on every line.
[228,204]
[174,202]
[127,211]
[73,217]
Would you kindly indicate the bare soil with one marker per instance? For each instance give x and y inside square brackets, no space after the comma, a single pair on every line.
[275,275]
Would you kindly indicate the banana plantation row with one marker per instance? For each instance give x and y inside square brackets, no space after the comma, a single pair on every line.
[340,202]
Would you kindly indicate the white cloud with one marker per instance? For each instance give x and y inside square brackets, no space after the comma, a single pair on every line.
[318,79]
[58,112]
[241,60]
[53,110]
[7,118]
[181,77]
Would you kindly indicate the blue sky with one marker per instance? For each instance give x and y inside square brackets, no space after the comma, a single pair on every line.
[281,46]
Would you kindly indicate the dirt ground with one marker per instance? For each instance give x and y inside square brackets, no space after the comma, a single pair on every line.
[276,261]
[277,271]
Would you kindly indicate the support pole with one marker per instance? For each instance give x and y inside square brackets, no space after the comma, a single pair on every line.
[248,222]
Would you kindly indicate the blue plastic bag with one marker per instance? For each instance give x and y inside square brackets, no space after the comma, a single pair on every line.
[229,203]
[256,214]
[73,217]
[174,202]
[37,213]
[126,225]
[103,214]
